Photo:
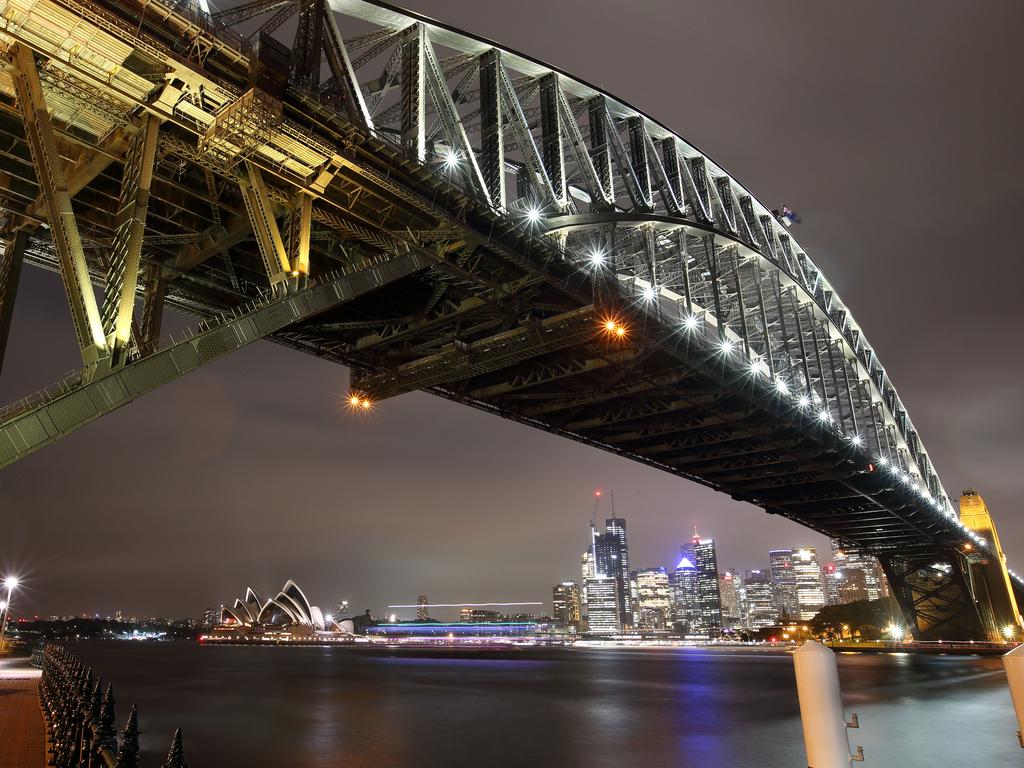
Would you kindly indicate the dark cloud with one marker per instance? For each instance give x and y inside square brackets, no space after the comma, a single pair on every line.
[892,128]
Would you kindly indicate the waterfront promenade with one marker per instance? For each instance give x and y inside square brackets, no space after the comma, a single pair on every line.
[22,738]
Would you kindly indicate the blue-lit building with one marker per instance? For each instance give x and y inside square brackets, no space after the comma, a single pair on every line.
[463,632]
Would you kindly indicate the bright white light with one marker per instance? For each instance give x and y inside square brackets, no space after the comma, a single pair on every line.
[883,461]
[690,322]
[759,368]
[726,346]
[1008,631]
[782,387]
[895,632]
[596,258]
[649,293]
[805,401]
[3,605]
[824,415]
[329,618]
[451,159]
[11,582]
[857,440]
[533,215]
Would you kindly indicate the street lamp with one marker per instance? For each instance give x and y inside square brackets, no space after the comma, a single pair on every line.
[10,582]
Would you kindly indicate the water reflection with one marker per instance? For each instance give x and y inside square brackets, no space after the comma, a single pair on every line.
[596,708]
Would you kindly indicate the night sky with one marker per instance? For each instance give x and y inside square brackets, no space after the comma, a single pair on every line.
[892,129]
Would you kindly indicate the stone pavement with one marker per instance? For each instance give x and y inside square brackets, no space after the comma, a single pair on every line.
[22,740]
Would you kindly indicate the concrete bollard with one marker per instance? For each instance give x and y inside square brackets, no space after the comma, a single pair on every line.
[821,708]
[1013,663]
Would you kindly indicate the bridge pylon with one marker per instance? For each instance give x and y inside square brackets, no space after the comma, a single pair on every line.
[966,594]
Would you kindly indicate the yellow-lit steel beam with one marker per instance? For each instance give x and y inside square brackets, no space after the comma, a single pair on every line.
[299,235]
[123,272]
[264,224]
[52,184]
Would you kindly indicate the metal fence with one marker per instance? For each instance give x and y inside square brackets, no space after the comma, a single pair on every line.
[81,719]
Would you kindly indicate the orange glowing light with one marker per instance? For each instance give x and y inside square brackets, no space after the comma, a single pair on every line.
[610,325]
[364,403]
[620,331]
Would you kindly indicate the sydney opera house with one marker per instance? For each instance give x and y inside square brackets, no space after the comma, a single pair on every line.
[287,616]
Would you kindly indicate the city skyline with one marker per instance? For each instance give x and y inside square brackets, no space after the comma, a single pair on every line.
[187,521]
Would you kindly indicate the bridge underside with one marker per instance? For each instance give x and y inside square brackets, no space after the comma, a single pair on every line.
[171,165]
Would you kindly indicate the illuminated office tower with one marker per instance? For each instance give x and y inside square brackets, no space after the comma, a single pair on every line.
[830,576]
[611,558]
[761,607]
[851,586]
[684,596]
[780,563]
[654,598]
[849,559]
[707,611]
[810,596]
[422,608]
[565,604]
[588,570]
[603,606]
[729,590]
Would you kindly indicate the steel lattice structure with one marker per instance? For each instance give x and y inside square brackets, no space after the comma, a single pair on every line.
[441,213]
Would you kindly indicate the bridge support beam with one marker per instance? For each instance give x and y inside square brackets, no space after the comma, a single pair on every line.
[46,417]
[937,598]
[123,273]
[10,271]
[67,242]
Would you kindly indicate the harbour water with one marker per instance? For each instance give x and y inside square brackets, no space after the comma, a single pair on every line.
[599,708]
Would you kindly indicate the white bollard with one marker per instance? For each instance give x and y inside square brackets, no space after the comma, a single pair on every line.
[1013,663]
[821,708]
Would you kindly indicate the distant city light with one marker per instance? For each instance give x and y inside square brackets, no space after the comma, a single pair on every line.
[463,605]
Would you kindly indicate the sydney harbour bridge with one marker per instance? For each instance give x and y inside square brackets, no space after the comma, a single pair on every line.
[440,213]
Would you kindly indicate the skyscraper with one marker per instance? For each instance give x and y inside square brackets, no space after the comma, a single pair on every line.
[762,610]
[654,598]
[707,616]
[729,590]
[851,586]
[603,606]
[849,558]
[611,558]
[565,604]
[807,574]
[683,582]
[422,608]
[780,563]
